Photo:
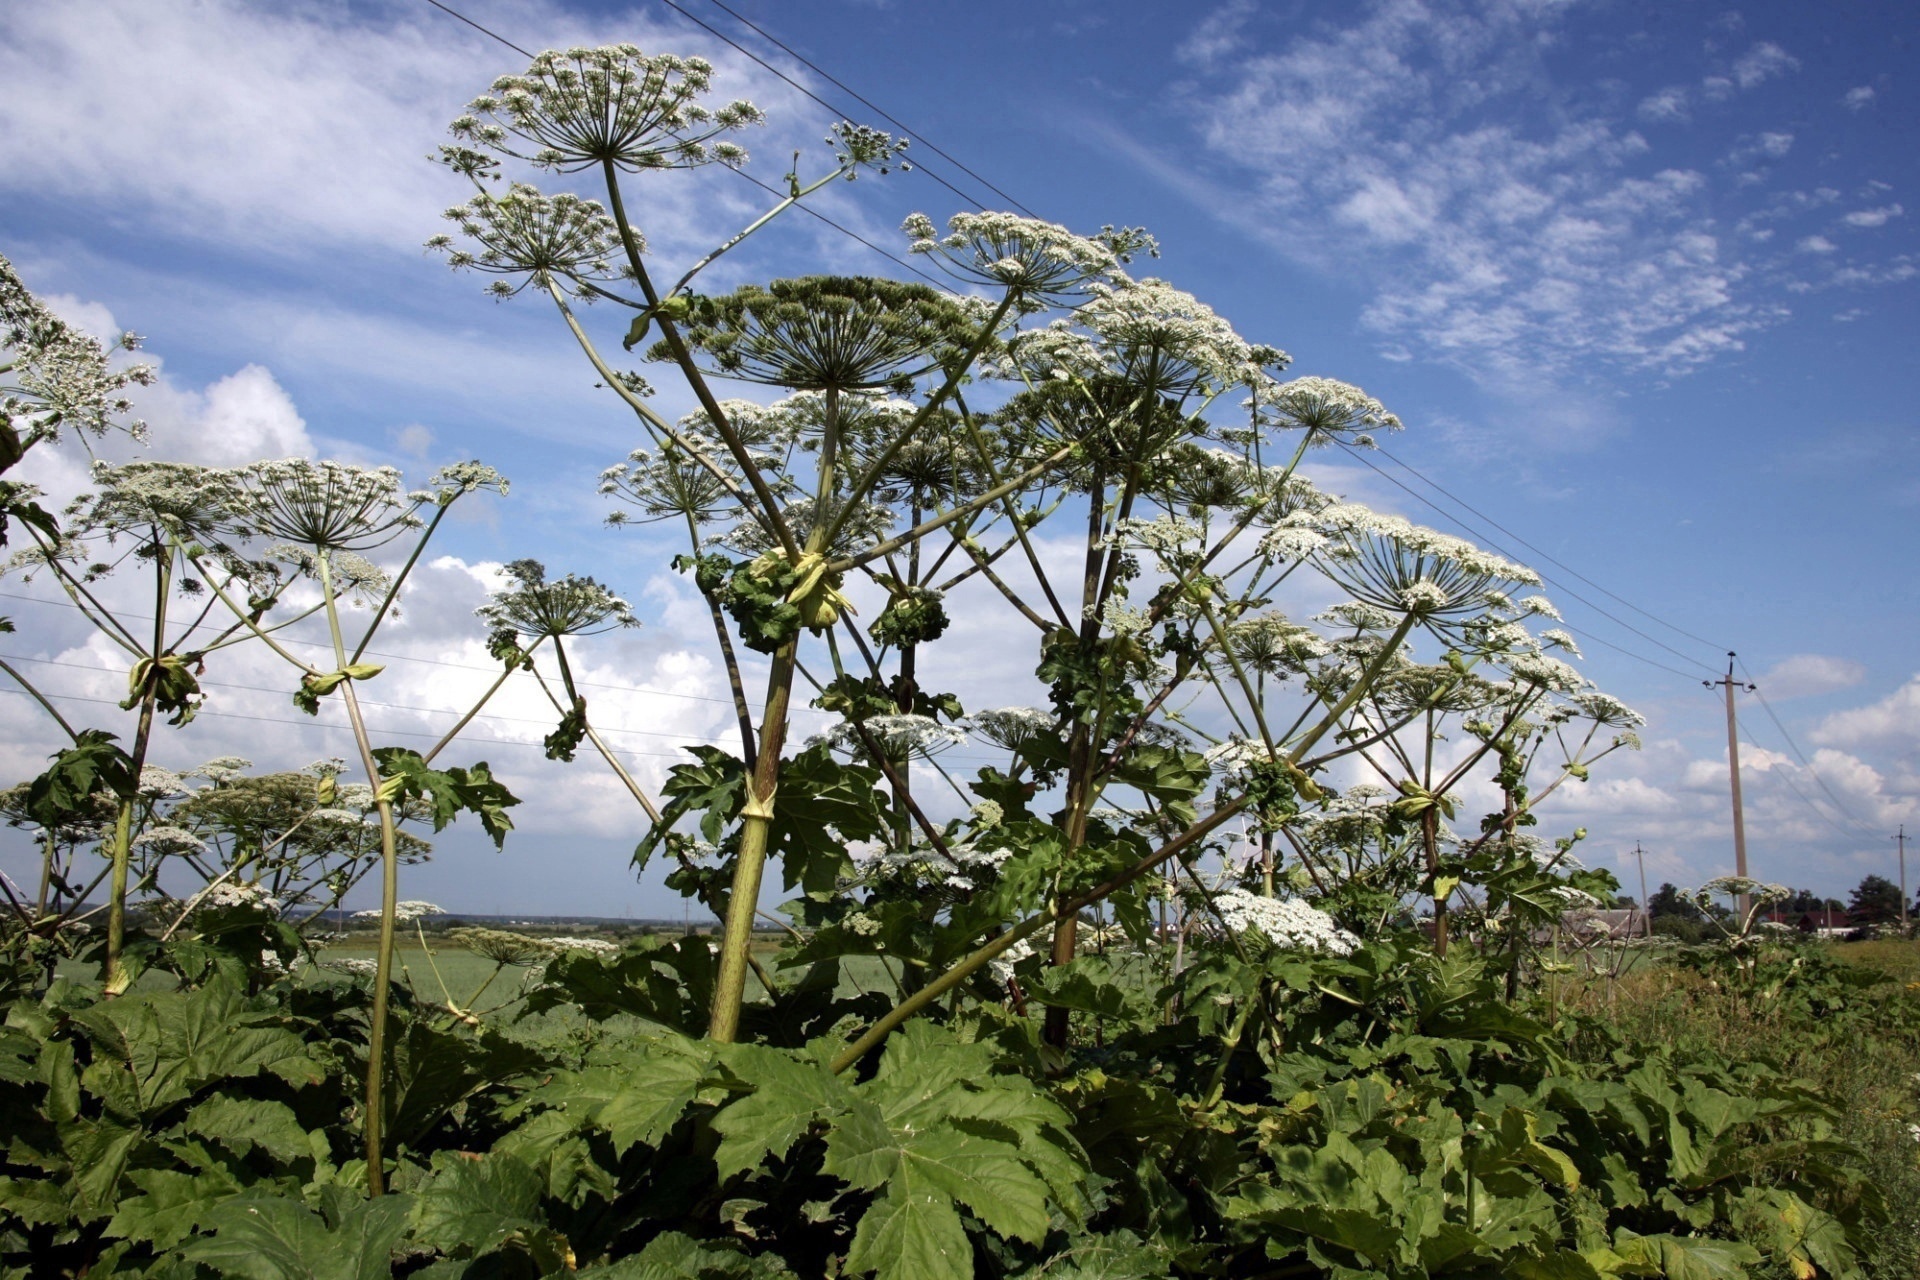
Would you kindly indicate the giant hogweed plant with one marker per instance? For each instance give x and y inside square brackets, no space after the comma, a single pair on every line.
[921,439]
[1043,1083]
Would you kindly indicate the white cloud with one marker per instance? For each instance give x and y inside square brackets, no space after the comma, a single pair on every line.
[1763,62]
[298,130]
[1873,217]
[1894,721]
[1858,99]
[241,417]
[1816,244]
[1519,244]
[1667,106]
[1806,674]
[1217,34]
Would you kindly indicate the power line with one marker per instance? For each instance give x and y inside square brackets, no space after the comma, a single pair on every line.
[893,120]
[1638,657]
[1563,565]
[407,657]
[388,706]
[851,234]
[742,49]
[1794,747]
[336,728]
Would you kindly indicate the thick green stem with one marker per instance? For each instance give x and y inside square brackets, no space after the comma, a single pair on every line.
[736,944]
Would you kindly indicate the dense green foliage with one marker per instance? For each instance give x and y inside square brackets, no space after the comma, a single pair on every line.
[1208,973]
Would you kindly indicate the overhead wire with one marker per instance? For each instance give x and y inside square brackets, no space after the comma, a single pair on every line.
[1547,556]
[767,187]
[1800,755]
[1584,635]
[868,103]
[742,49]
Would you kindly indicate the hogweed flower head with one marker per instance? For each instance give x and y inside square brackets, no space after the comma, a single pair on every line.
[1166,342]
[185,500]
[52,376]
[614,105]
[898,736]
[1326,409]
[533,605]
[330,506]
[1285,922]
[1041,261]
[535,237]
[819,333]
[1014,727]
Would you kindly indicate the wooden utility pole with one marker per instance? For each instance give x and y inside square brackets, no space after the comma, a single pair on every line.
[1646,908]
[1902,838]
[1733,769]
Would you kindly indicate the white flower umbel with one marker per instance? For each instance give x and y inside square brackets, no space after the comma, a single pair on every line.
[331,506]
[593,946]
[1288,923]
[533,605]
[405,912]
[526,237]
[1013,727]
[52,376]
[614,105]
[1044,262]
[1002,964]
[1164,341]
[897,736]
[1326,409]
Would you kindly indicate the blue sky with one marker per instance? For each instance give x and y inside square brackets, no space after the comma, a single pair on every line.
[1642,281]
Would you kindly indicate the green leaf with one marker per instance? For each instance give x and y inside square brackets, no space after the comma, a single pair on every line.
[911,1233]
[91,765]
[151,1051]
[174,1205]
[476,1207]
[259,1237]
[1687,1257]
[788,1097]
[448,792]
[36,1201]
[240,1124]
[637,1099]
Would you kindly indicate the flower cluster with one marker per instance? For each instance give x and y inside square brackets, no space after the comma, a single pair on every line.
[330,506]
[613,105]
[404,912]
[52,376]
[592,946]
[228,896]
[1285,922]
[536,237]
[532,605]
[1013,727]
[1041,261]
[897,736]
[1326,409]
[1164,341]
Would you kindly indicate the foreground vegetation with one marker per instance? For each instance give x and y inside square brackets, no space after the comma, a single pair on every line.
[1207,974]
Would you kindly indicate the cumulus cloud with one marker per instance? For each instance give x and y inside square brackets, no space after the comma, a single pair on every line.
[1893,721]
[1806,674]
[300,130]
[1858,99]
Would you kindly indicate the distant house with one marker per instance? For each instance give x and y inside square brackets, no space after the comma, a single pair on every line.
[1823,922]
